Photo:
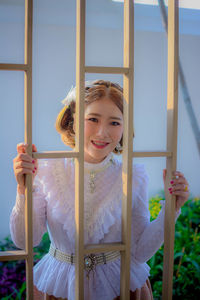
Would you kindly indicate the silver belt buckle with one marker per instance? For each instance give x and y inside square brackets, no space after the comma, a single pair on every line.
[90,262]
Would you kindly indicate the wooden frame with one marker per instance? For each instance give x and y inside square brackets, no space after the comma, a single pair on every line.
[128,154]
[27,68]
[172,130]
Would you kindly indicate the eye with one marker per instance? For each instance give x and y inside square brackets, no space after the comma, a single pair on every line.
[114,123]
[93,120]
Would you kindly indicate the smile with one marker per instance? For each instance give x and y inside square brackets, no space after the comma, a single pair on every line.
[99,145]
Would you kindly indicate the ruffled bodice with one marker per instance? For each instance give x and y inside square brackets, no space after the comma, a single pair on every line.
[54,193]
[101,206]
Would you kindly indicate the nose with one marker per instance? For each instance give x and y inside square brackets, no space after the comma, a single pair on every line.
[102,130]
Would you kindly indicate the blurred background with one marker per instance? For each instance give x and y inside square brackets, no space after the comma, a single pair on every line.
[54,51]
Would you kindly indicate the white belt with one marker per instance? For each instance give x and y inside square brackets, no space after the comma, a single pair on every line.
[90,261]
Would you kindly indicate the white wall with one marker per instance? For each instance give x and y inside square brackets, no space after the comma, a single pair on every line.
[54,72]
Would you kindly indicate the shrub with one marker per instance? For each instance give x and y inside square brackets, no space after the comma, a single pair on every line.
[13,274]
[186,278]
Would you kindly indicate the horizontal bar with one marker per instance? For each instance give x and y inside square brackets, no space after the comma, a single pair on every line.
[98,248]
[13,255]
[70,154]
[152,154]
[14,67]
[106,70]
[55,154]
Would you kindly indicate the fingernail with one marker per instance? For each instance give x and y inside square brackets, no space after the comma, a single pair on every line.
[169,189]
[35,168]
[33,161]
[171,181]
[170,192]
[33,171]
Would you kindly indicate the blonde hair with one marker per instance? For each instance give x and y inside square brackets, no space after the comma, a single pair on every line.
[99,89]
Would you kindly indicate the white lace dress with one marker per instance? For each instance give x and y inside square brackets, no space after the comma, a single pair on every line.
[53,204]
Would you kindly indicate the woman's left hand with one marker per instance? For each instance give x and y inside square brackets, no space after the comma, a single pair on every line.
[179,187]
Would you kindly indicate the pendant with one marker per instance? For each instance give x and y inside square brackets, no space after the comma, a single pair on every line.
[93,175]
[92,182]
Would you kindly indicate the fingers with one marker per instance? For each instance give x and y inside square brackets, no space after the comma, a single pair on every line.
[22,167]
[179,185]
[182,188]
[179,188]
[180,180]
[21,164]
[24,163]
[178,174]
[177,178]
[23,157]
[34,149]
[22,147]
[23,171]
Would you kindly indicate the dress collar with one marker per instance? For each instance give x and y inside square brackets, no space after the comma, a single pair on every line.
[100,166]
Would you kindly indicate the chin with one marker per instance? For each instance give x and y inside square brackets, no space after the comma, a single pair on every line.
[98,156]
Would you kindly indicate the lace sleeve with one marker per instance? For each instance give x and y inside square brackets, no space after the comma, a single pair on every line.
[142,243]
[17,218]
[147,237]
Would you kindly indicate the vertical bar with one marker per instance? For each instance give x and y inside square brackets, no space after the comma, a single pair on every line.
[28,140]
[127,147]
[172,120]
[79,163]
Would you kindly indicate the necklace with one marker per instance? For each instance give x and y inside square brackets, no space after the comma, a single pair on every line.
[92,174]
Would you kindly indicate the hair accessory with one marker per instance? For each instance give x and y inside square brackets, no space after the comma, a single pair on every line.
[71,96]
[186,188]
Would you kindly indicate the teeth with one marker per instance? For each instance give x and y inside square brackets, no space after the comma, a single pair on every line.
[99,144]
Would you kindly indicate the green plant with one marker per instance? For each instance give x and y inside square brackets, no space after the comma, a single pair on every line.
[186,278]
[12,273]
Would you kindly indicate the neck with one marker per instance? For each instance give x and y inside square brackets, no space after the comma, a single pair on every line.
[92,160]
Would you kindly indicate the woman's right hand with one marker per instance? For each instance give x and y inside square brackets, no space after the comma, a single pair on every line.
[24,164]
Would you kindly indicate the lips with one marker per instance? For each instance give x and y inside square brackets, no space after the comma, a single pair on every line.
[99,144]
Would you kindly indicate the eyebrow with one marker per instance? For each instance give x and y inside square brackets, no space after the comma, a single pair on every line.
[111,117]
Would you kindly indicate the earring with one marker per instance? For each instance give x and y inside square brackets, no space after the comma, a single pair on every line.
[118,147]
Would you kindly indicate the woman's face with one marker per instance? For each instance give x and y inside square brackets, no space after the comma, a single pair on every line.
[103,129]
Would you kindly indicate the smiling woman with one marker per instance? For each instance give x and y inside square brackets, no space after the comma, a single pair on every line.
[54,205]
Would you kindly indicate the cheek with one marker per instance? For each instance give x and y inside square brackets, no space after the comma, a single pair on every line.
[88,130]
[117,133]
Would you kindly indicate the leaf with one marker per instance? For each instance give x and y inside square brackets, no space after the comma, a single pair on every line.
[23,288]
[195,264]
[178,254]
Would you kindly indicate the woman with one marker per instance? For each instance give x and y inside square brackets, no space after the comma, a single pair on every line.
[53,203]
